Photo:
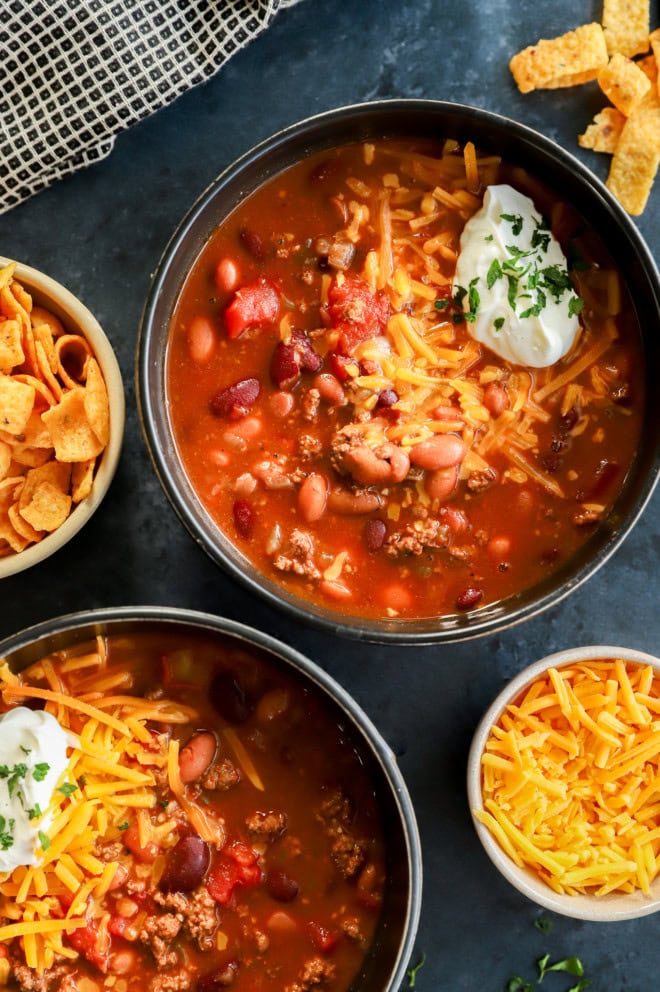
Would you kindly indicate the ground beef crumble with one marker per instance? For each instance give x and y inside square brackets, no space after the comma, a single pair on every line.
[221,775]
[415,538]
[315,972]
[196,911]
[172,981]
[299,556]
[271,824]
[157,933]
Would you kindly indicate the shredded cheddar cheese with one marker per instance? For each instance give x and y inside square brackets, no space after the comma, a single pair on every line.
[571,778]
[109,782]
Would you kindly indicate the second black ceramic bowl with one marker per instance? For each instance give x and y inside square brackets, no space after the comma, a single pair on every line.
[516,144]
[385,964]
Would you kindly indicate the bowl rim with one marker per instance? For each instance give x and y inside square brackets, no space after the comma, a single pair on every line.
[606,909]
[84,321]
[84,623]
[494,617]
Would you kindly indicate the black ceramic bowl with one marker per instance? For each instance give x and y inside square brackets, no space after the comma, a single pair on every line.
[516,143]
[385,965]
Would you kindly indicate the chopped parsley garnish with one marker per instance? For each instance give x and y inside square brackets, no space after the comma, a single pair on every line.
[516,222]
[498,323]
[441,304]
[67,788]
[44,840]
[543,924]
[571,965]
[35,812]
[517,984]
[411,973]
[17,773]
[6,835]
[123,826]
[528,279]
[40,771]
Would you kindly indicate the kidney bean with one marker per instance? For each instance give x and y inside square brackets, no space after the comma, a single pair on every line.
[606,473]
[253,242]
[244,516]
[285,366]
[386,398]
[348,503]
[442,451]
[441,483]
[229,698]
[469,598]
[568,421]
[201,340]
[375,532]
[196,755]
[226,276]
[330,389]
[281,886]
[186,865]
[340,365]
[234,401]
[496,399]
[313,497]
[309,359]
[213,981]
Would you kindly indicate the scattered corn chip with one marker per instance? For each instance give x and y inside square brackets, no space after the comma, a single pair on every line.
[635,161]
[574,57]
[604,132]
[623,83]
[626,24]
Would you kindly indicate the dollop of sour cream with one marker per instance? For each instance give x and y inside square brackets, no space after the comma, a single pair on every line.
[513,277]
[33,756]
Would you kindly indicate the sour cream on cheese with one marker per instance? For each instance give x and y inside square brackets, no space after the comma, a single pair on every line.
[33,755]
[519,300]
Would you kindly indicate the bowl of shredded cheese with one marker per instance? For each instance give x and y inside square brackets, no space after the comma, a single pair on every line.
[563,783]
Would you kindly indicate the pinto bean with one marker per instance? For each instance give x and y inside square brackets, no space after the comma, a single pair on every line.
[330,389]
[281,403]
[227,276]
[350,504]
[442,451]
[371,466]
[201,339]
[122,962]
[499,547]
[396,597]
[441,483]
[313,497]
[496,399]
[196,755]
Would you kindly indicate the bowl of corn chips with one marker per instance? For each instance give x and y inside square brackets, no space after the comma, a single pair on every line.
[560,783]
[61,416]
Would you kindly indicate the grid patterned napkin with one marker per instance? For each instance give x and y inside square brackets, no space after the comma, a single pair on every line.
[75,73]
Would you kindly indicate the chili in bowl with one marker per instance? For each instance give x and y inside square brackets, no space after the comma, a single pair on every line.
[190,804]
[394,371]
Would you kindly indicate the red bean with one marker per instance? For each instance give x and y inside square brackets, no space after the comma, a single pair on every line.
[281,886]
[285,366]
[253,242]
[386,398]
[375,532]
[244,516]
[201,340]
[348,503]
[186,865]
[227,276]
[196,755]
[469,597]
[234,401]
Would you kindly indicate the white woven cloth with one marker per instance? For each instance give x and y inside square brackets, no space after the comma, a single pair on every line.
[75,73]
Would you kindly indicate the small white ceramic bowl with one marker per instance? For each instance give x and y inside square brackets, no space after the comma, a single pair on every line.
[77,319]
[606,909]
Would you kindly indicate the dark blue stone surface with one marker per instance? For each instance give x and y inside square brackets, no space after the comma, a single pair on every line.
[101,233]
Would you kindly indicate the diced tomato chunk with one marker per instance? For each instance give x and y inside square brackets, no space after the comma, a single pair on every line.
[256,303]
[118,925]
[356,312]
[324,939]
[90,943]
[131,838]
[237,867]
